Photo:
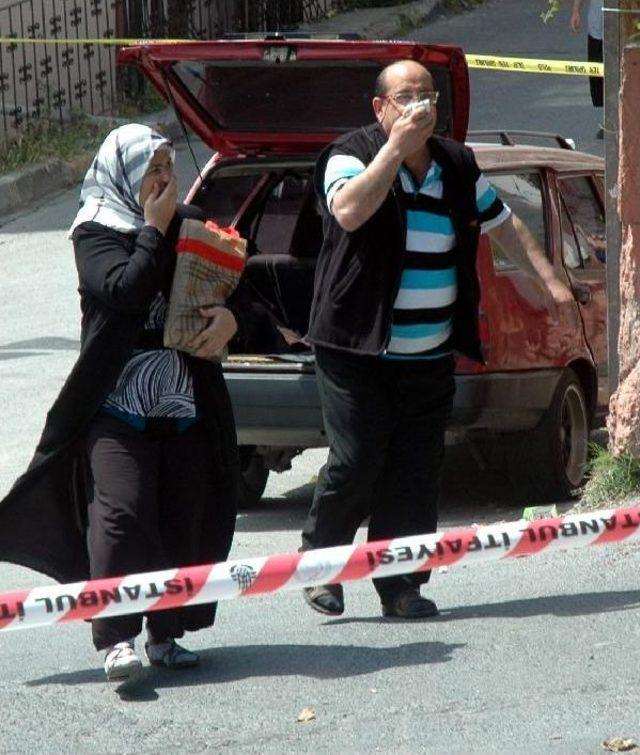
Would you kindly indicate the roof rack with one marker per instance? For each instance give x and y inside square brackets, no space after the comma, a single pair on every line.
[506,137]
[291,34]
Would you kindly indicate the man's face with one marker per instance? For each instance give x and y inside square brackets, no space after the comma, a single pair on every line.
[405,83]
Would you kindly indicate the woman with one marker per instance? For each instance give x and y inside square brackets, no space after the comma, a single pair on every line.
[136,469]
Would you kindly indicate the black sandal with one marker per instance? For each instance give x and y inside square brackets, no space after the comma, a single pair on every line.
[326,599]
[409,604]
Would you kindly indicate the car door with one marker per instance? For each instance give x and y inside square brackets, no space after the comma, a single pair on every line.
[522,333]
[582,225]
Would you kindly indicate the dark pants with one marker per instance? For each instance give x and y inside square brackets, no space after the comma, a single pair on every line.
[148,492]
[596,83]
[385,421]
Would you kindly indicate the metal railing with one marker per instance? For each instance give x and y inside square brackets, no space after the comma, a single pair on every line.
[50,80]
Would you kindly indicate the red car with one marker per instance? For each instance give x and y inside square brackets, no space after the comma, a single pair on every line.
[267,107]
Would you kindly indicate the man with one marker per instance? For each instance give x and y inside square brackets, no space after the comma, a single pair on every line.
[594,47]
[396,291]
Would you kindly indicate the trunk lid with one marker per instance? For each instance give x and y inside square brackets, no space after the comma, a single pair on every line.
[290,95]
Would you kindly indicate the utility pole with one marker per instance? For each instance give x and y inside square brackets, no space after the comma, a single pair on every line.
[612,57]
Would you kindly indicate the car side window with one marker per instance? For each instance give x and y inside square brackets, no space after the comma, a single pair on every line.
[523,193]
[223,196]
[583,224]
[275,221]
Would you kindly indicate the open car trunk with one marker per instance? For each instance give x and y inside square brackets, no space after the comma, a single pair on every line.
[273,205]
[291,96]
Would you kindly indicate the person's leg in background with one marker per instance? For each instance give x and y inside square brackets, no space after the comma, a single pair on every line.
[596,83]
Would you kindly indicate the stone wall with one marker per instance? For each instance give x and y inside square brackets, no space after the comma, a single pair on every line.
[624,417]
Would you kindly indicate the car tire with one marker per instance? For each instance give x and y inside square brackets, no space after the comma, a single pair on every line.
[253,478]
[549,463]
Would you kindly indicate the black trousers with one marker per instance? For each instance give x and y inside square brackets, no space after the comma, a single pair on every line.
[596,83]
[148,492]
[385,421]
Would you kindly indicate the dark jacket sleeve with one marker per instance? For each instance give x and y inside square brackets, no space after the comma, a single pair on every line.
[124,274]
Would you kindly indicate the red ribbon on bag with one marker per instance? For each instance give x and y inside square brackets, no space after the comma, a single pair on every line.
[210,251]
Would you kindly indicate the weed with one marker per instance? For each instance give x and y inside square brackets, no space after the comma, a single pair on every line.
[462,4]
[405,24]
[610,479]
[44,140]
[348,5]
[148,101]
[41,140]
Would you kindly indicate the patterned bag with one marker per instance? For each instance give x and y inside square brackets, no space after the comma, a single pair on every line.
[209,263]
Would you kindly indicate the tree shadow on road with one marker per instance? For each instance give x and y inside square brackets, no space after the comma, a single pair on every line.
[52,343]
[580,604]
[232,664]
[34,347]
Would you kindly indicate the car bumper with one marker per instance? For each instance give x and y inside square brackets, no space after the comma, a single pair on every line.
[279,406]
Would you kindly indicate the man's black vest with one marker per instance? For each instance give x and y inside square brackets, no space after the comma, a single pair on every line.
[358,273]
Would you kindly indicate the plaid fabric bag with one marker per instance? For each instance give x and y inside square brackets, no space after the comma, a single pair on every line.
[210,261]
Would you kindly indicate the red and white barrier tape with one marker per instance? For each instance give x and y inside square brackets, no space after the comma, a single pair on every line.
[153,591]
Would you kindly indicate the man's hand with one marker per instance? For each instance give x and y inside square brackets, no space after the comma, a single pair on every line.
[563,307]
[223,326]
[575,16]
[521,247]
[410,132]
[575,22]
[160,205]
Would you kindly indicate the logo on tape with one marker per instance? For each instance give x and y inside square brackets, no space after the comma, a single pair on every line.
[314,571]
[244,575]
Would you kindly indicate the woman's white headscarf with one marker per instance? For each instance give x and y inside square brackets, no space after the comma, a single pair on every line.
[110,193]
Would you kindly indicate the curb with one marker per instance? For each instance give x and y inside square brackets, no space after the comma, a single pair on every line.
[20,188]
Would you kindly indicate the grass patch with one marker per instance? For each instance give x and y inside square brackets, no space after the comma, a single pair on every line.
[45,140]
[462,4]
[611,479]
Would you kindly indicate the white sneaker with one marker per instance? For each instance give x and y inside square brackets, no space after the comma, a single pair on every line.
[170,655]
[121,661]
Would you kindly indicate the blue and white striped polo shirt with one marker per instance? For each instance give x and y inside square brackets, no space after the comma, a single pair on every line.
[423,310]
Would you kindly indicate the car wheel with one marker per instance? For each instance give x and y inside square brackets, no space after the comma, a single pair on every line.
[549,463]
[253,478]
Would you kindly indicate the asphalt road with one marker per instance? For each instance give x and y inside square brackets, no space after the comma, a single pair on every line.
[506,100]
[534,655]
